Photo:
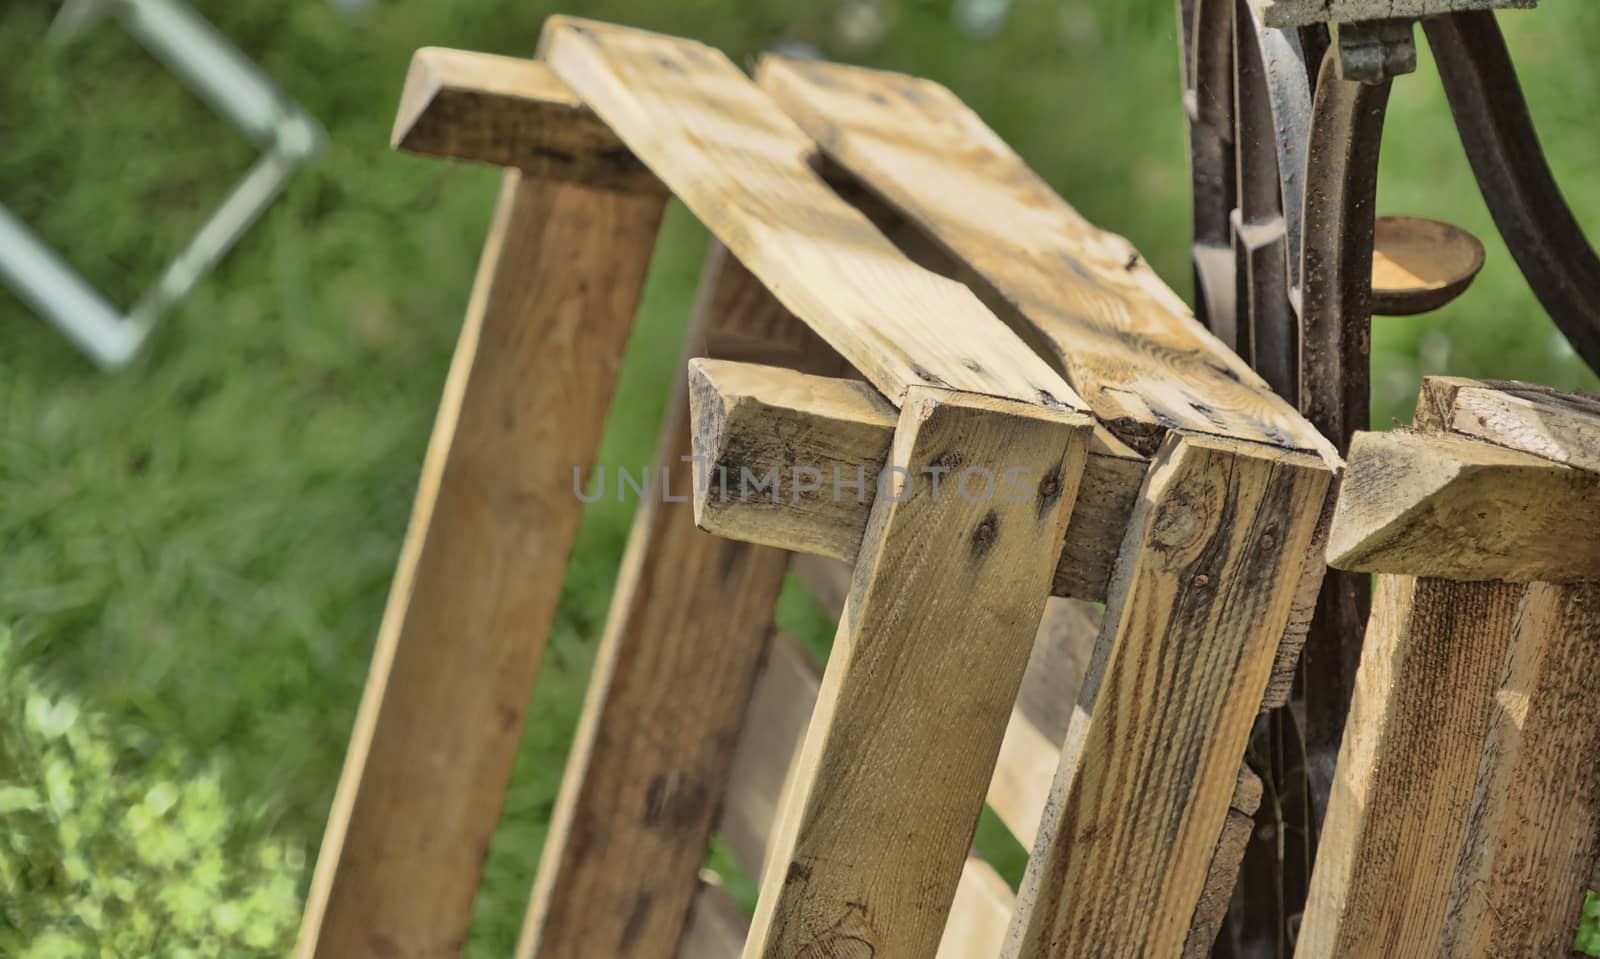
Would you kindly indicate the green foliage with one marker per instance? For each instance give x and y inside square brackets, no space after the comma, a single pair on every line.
[1588,940]
[113,845]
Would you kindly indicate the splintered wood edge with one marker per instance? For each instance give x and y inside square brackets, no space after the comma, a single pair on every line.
[1558,426]
[510,112]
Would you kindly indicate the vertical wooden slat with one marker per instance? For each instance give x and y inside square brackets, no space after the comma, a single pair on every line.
[1200,599]
[946,598]
[687,630]
[1533,829]
[1435,652]
[480,572]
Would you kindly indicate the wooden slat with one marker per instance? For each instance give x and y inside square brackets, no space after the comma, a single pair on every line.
[1299,13]
[1533,829]
[754,421]
[781,708]
[513,113]
[741,166]
[480,572]
[946,598]
[685,635]
[1427,504]
[1046,704]
[1081,296]
[1211,566]
[1557,426]
[1434,655]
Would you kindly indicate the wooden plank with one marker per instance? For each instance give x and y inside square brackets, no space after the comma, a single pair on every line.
[1426,504]
[943,608]
[1223,874]
[741,166]
[1434,655]
[1210,569]
[1046,704]
[513,113]
[1300,13]
[679,657]
[1533,829]
[753,423]
[481,570]
[1557,426]
[1083,297]
[782,705]
[748,323]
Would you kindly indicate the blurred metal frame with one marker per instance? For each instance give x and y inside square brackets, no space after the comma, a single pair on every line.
[237,89]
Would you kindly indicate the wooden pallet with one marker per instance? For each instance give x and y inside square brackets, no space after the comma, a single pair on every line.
[865,222]
[1465,817]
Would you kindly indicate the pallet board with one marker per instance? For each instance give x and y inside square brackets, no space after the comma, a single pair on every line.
[481,569]
[1083,297]
[1300,13]
[741,166]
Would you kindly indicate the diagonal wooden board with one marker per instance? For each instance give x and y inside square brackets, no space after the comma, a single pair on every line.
[742,167]
[1083,297]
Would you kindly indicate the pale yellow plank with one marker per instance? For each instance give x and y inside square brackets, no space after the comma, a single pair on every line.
[741,166]
[1083,297]
[943,608]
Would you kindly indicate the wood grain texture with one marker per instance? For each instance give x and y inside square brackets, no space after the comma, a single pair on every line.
[748,323]
[781,708]
[1426,504]
[946,598]
[1223,874]
[742,167]
[1434,656]
[1025,770]
[684,638]
[1210,569]
[1082,297]
[1533,829]
[1299,13]
[512,113]
[1557,426]
[480,572]
[780,454]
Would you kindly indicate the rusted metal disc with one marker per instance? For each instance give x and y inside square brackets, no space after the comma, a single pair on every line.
[1420,265]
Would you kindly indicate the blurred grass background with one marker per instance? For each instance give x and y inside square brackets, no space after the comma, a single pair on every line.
[197,549]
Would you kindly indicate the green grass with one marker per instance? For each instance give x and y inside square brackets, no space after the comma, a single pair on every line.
[197,549]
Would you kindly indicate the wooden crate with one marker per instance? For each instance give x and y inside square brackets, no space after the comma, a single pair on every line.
[866,224]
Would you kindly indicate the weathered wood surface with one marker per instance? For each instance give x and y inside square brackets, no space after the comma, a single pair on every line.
[1083,297]
[1533,829]
[1024,770]
[1434,656]
[780,710]
[1562,427]
[741,166]
[1212,564]
[1299,13]
[1212,909]
[480,571]
[513,113]
[1434,504]
[865,851]
[820,437]
[682,646]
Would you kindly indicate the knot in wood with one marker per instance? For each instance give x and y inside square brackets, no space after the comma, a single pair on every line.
[1178,524]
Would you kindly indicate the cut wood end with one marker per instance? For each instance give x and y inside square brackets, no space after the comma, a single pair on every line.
[708,416]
